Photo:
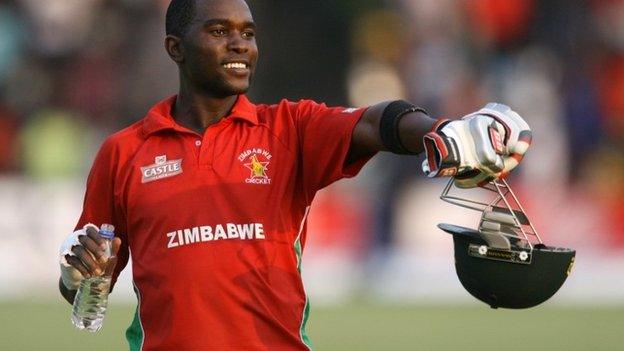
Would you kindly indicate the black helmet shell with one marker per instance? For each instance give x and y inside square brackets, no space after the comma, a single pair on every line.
[507,284]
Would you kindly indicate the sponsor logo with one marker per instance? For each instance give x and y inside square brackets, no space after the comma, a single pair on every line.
[257,161]
[497,140]
[161,169]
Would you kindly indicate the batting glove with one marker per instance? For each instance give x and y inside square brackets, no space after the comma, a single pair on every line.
[481,147]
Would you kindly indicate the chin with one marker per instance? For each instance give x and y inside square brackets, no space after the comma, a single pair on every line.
[225,88]
[240,89]
[235,89]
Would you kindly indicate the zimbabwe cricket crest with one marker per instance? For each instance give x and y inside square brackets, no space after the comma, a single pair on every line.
[256,161]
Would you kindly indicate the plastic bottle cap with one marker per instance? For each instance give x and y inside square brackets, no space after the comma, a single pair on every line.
[107,231]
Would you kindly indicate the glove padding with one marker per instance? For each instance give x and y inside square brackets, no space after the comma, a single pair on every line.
[481,147]
[70,276]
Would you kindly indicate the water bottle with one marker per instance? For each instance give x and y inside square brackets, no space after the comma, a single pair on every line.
[91,299]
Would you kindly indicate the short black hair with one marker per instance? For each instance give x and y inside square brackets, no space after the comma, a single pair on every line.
[180,14]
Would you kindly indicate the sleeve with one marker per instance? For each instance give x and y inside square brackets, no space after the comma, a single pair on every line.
[324,135]
[100,202]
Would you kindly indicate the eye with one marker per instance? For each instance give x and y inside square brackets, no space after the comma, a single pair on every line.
[218,32]
[248,34]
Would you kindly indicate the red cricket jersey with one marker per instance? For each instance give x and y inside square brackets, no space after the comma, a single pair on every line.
[216,223]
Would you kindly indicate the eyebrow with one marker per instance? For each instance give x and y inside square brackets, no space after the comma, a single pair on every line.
[214,21]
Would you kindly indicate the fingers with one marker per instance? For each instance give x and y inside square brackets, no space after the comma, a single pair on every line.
[90,259]
[511,161]
[510,119]
[500,138]
[87,259]
[94,249]
[95,236]
[116,244]
[523,143]
[517,131]
[76,263]
[112,261]
[110,266]
[488,144]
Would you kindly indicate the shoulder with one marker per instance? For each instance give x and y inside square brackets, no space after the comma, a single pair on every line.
[286,110]
[120,146]
[124,139]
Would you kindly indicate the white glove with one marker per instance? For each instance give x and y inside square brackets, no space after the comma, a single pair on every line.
[482,146]
[71,276]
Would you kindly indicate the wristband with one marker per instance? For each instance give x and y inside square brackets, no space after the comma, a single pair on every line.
[389,125]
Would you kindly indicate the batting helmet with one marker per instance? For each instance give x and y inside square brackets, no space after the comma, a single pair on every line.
[505,263]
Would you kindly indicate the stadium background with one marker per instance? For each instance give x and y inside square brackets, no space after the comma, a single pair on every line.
[379,273]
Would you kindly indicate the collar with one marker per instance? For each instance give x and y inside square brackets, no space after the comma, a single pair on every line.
[159,117]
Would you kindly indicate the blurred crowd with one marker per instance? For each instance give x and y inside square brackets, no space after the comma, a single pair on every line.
[73,71]
[559,63]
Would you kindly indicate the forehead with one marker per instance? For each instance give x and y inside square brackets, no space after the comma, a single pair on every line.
[234,10]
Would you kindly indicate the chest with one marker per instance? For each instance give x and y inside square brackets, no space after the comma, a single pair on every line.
[230,174]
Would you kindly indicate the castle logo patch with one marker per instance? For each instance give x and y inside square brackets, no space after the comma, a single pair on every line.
[257,161]
[161,169]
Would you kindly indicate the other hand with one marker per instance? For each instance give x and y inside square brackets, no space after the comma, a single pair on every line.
[481,147]
[85,254]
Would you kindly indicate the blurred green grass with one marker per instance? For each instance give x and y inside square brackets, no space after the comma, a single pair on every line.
[33,326]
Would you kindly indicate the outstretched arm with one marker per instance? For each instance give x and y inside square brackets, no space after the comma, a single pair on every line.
[476,149]
[367,138]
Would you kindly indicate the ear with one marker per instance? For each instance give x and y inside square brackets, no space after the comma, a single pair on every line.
[174,48]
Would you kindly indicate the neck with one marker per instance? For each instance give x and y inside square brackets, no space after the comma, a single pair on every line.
[198,110]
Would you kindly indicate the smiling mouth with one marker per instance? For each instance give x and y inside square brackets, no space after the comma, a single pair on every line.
[235,65]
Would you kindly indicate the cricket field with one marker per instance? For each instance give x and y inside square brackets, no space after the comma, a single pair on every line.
[45,326]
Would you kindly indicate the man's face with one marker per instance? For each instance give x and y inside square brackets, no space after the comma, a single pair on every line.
[220,51]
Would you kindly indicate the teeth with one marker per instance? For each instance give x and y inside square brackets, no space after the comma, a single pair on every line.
[235,65]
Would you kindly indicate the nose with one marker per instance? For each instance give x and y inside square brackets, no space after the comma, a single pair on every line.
[238,44]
